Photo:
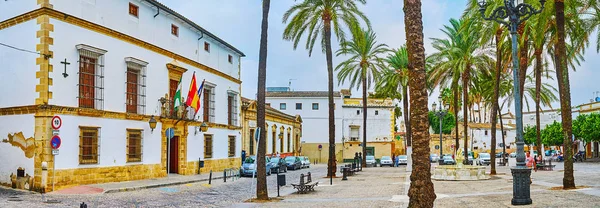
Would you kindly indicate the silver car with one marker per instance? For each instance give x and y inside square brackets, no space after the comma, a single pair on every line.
[402,160]
[371,161]
[483,159]
[305,162]
[386,160]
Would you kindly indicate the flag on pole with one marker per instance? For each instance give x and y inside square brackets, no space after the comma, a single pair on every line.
[177,97]
[192,98]
[198,94]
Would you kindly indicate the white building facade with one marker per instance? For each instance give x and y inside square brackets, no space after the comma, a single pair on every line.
[107,68]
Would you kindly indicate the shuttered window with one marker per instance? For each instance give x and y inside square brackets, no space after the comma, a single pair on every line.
[133,10]
[208,146]
[134,145]
[232,108]
[209,104]
[289,144]
[354,133]
[91,77]
[172,90]
[135,93]
[231,146]
[88,145]
[251,144]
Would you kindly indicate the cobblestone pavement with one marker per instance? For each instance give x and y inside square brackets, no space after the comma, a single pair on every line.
[373,187]
[219,194]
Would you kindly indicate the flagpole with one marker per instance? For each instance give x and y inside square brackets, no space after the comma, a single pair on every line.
[199,95]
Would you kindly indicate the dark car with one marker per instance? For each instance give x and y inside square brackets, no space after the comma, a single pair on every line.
[293,162]
[278,165]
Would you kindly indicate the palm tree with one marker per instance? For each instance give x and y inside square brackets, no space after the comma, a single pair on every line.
[363,67]
[261,185]
[562,74]
[395,81]
[314,18]
[457,56]
[421,191]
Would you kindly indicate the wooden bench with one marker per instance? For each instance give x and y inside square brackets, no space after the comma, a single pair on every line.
[303,187]
[546,165]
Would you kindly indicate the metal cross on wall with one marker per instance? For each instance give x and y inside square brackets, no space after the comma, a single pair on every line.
[65,63]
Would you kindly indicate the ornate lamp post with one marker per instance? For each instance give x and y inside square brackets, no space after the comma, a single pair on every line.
[516,14]
[440,113]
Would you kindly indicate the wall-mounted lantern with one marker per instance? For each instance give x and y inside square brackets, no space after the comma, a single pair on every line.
[204,127]
[152,123]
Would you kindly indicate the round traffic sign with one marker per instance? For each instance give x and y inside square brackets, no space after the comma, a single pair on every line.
[56,122]
[55,142]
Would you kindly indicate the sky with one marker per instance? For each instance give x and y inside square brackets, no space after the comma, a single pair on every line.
[238,23]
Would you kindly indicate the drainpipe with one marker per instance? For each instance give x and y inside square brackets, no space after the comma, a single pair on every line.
[157,12]
[198,48]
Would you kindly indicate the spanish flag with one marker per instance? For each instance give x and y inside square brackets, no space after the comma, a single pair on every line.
[193,99]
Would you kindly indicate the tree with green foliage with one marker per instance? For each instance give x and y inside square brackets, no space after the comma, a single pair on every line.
[529,135]
[586,127]
[448,123]
[552,135]
[317,19]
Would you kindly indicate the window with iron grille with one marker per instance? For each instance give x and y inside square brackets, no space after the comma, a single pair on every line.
[209,103]
[88,145]
[231,146]
[281,148]
[251,145]
[173,84]
[232,108]
[208,146]
[354,135]
[135,85]
[174,30]
[207,47]
[134,145]
[91,77]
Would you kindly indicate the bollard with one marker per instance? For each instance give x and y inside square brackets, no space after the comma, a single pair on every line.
[225,176]
[83,205]
[44,176]
[345,174]
[210,177]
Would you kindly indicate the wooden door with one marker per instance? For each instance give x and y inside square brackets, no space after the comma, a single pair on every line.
[173,155]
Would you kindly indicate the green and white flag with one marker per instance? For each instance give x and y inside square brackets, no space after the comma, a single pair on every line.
[177,97]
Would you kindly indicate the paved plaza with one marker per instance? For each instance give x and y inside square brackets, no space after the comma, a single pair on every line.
[373,187]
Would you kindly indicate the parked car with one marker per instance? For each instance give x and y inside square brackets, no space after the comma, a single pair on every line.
[278,165]
[433,158]
[499,155]
[386,160]
[248,167]
[483,159]
[551,152]
[293,162]
[470,160]
[305,162]
[371,161]
[402,160]
[448,160]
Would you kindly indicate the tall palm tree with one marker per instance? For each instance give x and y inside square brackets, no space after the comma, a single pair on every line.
[395,80]
[562,74]
[261,184]
[421,191]
[319,17]
[457,56]
[363,67]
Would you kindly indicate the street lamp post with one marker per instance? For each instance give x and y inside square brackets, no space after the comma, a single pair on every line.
[516,14]
[440,113]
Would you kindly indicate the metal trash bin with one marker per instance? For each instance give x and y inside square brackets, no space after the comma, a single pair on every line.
[281,180]
[201,164]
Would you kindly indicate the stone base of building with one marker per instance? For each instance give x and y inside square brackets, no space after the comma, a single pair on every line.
[216,165]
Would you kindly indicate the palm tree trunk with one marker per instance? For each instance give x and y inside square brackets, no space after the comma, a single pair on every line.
[457,144]
[331,164]
[406,116]
[502,132]
[421,192]
[261,178]
[495,111]
[465,79]
[538,87]
[562,74]
[364,145]
[479,109]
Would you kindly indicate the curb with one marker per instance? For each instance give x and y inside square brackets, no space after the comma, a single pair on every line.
[137,188]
